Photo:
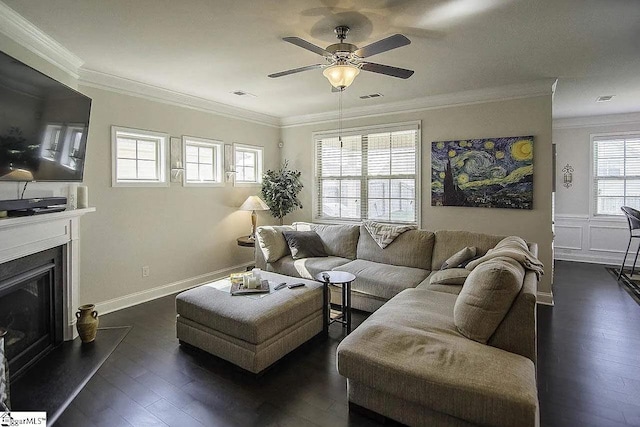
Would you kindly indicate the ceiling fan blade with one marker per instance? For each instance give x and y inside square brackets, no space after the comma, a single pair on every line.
[402,73]
[296,70]
[391,42]
[306,45]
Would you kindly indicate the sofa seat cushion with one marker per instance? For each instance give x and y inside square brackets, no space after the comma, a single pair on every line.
[411,349]
[306,268]
[382,280]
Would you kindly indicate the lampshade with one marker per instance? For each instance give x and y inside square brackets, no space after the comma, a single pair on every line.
[341,76]
[17,175]
[254,203]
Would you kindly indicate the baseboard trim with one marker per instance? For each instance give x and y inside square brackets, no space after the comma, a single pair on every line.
[164,290]
[545,298]
[590,258]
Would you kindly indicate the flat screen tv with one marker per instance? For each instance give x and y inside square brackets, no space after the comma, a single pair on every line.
[43,126]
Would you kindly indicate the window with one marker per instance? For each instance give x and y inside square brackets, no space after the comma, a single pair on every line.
[202,161]
[139,158]
[370,173]
[248,164]
[616,172]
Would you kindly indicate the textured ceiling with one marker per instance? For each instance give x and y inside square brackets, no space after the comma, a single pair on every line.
[209,48]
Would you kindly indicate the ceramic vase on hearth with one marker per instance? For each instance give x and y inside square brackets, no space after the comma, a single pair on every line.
[87,322]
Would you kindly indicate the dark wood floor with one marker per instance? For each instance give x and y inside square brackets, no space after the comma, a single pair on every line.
[589,370]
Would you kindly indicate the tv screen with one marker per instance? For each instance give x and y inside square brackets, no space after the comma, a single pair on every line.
[43,126]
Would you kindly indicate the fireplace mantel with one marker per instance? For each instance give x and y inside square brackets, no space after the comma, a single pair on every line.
[24,236]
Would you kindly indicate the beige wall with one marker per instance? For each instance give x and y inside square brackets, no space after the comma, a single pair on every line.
[531,116]
[179,232]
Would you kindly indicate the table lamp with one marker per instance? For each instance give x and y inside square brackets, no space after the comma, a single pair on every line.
[253,204]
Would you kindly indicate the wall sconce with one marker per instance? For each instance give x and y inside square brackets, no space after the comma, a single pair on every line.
[175,160]
[229,167]
[568,176]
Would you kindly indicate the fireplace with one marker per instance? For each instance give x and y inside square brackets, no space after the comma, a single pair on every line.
[31,307]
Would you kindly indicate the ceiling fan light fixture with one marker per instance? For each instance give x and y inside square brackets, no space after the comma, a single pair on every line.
[341,76]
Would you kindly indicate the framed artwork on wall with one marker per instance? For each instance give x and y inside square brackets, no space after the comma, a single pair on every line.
[488,173]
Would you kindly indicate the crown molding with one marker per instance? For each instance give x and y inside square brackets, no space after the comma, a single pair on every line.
[478,96]
[594,121]
[23,32]
[113,83]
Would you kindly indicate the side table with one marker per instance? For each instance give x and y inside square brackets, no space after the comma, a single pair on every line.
[246,241]
[344,280]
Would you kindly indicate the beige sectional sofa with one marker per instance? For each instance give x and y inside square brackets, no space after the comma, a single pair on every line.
[409,360]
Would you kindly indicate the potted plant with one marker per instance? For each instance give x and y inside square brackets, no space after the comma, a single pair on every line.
[280,190]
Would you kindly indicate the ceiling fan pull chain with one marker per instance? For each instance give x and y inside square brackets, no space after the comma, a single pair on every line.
[340,118]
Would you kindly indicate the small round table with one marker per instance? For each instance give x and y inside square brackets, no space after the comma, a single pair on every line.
[246,241]
[344,280]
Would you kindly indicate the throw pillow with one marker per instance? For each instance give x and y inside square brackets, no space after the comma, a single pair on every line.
[451,276]
[304,244]
[486,297]
[271,241]
[459,257]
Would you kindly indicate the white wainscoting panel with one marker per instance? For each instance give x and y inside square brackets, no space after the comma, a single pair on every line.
[568,237]
[595,240]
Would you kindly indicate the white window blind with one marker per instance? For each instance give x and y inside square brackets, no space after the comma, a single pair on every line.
[139,157]
[616,173]
[202,161]
[369,174]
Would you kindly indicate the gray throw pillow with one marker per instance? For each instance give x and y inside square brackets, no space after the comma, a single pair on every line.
[304,244]
[486,297]
[451,276]
[459,257]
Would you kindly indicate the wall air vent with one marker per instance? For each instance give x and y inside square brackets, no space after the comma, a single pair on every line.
[372,95]
[604,98]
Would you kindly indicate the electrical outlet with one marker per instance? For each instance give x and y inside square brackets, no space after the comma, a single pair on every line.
[145,271]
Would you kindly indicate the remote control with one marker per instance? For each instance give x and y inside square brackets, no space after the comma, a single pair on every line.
[295,285]
[280,286]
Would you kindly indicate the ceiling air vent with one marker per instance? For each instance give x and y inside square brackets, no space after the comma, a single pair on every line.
[604,98]
[243,93]
[371,95]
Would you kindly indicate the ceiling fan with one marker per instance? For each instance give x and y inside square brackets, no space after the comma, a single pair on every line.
[343,61]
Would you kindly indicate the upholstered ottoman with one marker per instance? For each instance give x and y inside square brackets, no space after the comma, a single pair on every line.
[252,331]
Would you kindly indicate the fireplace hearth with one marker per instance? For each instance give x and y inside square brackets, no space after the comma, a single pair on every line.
[31,307]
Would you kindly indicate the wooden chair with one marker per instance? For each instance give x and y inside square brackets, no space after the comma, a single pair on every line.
[633,218]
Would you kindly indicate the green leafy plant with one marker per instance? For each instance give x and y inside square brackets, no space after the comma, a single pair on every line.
[280,190]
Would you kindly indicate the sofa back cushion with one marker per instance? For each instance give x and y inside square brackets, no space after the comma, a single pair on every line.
[271,241]
[412,248]
[517,331]
[486,297]
[339,240]
[448,242]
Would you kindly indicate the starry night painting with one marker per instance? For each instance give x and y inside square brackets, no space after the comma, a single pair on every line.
[488,173]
